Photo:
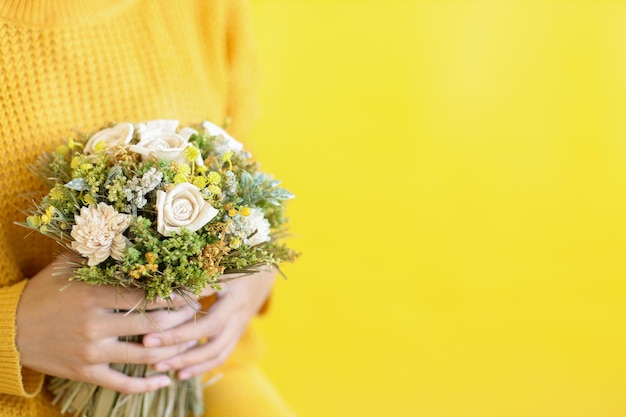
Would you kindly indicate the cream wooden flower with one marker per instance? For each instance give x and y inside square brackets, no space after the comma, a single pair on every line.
[120,133]
[182,206]
[214,130]
[158,139]
[98,233]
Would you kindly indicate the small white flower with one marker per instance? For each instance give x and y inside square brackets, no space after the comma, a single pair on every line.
[256,221]
[182,206]
[228,143]
[158,139]
[109,137]
[137,188]
[252,229]
[98,233]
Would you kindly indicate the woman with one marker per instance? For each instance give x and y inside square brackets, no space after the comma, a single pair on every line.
[79,65]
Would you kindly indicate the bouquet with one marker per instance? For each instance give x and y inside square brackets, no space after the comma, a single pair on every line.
[165,209]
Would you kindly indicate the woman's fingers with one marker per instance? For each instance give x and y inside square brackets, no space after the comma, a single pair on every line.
[106,377]
[217,358]
[206,356]
[143,322]
[206,325]
[119,351]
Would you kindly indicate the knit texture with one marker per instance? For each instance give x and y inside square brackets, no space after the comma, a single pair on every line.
[78,65]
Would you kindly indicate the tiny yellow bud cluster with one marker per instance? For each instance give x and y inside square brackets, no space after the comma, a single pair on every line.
[151,257]
[42,221]
[199,182]
[226,158]
[191,153]
[100,146]
[33,221]
[182,169]
[178,178]
[214,189]
[214,178]
[244,211]
[45,218]
[71,143]
[89,200]
[62,150]
[56,194]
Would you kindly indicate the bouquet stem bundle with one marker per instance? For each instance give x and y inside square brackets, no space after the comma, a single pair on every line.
[181,399]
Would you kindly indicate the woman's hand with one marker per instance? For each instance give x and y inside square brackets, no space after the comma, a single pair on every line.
[222,326]
[74,333]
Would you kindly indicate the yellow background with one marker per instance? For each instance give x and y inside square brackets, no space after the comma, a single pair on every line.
[460,169]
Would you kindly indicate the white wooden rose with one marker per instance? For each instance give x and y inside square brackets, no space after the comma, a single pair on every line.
[109,137]
[158,139]
[182,206]
[231,144]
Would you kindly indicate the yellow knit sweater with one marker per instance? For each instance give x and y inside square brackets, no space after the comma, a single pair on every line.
[69,65]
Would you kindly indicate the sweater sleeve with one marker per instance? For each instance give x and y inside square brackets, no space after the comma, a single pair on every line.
[14,380]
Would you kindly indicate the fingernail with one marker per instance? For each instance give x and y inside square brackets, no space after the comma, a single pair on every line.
[161,367]
[164,382]
[184,375]
[152,341]
[192,343]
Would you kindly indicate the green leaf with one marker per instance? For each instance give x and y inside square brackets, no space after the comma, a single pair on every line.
[281,194]
[78,184]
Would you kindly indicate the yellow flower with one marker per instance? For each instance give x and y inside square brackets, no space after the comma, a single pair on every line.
[89,199]
[71,143]
[191,153]
[99,146]
[178,178]
[150,257]
[183,169]
[62,150]
[232,212]
[199,182]
[226,157]
[214,177]
[56,194]
[33,221]
[47,216]
[235,243]
[245,211]
[215,189]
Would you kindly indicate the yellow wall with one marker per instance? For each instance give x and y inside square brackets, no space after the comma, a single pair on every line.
[460,169]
